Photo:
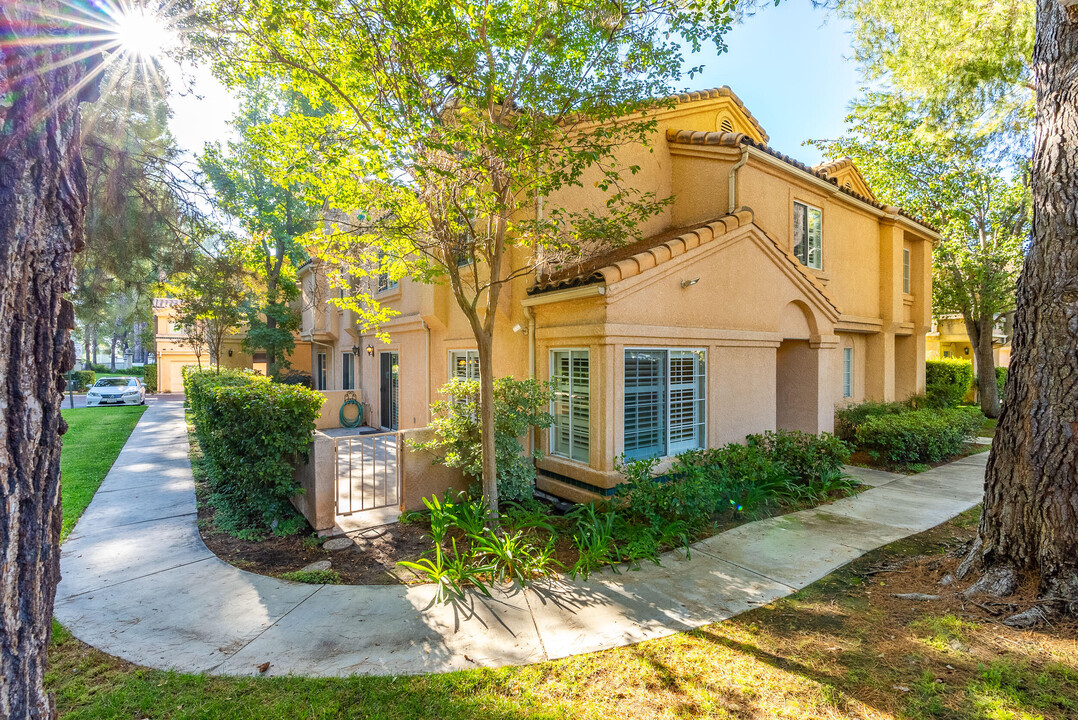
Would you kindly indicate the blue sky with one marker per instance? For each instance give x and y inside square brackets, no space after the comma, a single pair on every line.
[788,64]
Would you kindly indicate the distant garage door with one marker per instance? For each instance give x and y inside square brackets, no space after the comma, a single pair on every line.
[176,379]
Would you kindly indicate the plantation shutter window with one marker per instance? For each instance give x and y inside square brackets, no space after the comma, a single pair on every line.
[464,365]
[665,402]
[570,376]
[906,270]
[808,235]
[348,371]
[687,396]
[847,372]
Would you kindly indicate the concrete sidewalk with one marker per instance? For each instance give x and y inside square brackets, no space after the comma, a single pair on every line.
[139,583]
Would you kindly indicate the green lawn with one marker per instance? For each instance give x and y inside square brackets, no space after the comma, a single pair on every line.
[91,444]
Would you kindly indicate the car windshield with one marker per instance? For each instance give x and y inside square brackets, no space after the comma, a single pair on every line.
[114,382]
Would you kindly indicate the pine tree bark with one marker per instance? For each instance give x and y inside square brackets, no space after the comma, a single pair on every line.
[1030,519]
[42,200]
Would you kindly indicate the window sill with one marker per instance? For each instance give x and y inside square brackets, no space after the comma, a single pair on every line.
[907,299]
[820,275]
[387,295]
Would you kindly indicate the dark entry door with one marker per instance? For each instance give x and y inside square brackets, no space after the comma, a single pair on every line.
[389,390]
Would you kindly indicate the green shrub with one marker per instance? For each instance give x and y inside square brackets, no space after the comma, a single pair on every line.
[251,430]
[1001,380]
[920,436]
[851,417]
[947,381]
[518,406]
[808,458]
[83,379]
[150,378]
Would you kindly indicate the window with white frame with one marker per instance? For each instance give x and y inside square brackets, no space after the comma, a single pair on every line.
[905,270]
[808,235]
[570,375]
[320,370]
[463,364]
[348,371]
[847,372]
[665,402]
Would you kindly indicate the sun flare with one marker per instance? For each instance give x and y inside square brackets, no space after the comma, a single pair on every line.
[143,32]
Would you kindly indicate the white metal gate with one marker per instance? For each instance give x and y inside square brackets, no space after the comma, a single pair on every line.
[368,473]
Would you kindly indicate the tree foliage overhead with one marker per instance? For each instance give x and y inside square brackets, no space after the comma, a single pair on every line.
[945,132]
[448,123]
[273,214]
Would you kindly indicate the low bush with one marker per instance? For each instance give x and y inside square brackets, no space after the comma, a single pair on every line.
[518,406]
[920,436]
[295,377]
[149,378]
[851,417]
[808,458]
[1001,380]
[251,430]
[947,381]
[84,379]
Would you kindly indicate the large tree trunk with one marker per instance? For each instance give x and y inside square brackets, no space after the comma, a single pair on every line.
[42,200]
[1030,519]
[980,332]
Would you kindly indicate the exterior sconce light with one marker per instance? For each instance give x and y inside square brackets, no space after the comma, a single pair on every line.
[966,350]
[370,350]
[356,350]
[230,353]
[689,283]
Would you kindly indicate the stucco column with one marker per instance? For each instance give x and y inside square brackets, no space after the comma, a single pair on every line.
[880,366]
[828,358]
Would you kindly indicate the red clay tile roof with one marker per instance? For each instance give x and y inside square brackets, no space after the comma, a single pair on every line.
[722,92]
[641,256]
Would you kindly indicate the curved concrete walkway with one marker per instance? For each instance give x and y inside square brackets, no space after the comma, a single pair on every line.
[139,583]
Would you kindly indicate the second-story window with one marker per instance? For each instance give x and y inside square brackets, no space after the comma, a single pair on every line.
[384,281]
[808,235]
[906,270]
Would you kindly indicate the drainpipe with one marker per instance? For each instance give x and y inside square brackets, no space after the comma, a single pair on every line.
[732,205]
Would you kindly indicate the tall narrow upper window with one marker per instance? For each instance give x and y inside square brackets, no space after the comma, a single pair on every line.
[384,281]
[348,371]
[905,270]
[665,396]
[570,375]
[464,365]
[808,235]
[320,371]
[847,372]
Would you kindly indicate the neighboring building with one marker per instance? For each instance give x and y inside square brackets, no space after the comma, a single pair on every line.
[720,321]
[173,353]
[949,338]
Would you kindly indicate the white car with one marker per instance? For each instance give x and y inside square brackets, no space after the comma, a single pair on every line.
[116,391]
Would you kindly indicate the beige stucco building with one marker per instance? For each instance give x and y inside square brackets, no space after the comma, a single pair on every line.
[173,353]
[765,295]
[948,338]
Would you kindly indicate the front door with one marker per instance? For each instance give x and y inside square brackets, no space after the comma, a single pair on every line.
[389,390]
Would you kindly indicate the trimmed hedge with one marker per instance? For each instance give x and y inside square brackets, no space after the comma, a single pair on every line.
[1001,380]
[808,458]
[251,430]
[83,379]
[947,381]
[149,378]
[920,436]
[851,417]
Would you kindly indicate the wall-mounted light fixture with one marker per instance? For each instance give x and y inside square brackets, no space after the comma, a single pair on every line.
[370,350]
[689,283]
[966,350]
[356,350]
[230,353]
[518,328]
